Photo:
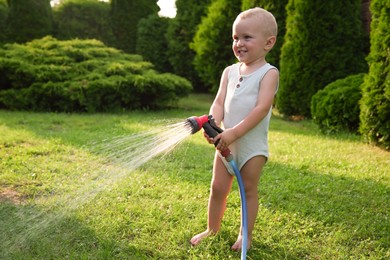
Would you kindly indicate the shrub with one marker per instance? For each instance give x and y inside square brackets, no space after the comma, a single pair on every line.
[336,107]
[375,103]
[82,75]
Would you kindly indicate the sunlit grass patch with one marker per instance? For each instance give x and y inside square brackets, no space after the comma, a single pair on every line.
[321,197]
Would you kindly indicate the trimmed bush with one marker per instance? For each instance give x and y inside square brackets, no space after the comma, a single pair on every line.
[82,75]
[336,107]
[375,103]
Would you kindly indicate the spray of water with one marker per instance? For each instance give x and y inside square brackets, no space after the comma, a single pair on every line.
[134,150]
[120,156]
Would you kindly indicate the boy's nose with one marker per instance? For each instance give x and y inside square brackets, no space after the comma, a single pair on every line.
[239,43]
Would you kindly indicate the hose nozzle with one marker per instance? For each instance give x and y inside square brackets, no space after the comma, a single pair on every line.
[196,123]
[211,129]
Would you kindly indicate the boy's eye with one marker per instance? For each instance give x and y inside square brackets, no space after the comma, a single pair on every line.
[245,38]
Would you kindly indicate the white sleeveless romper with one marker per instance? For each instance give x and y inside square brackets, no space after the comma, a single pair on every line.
[239,102]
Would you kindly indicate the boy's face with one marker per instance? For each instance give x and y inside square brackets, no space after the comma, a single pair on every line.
[249,41]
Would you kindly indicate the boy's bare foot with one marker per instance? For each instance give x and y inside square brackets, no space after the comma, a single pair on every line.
[199,237]
[238,244]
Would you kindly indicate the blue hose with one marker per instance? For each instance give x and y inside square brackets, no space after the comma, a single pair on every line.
[244,211]
[194,124]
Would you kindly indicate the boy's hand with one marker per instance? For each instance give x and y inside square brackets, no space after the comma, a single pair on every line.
[208,138]
[225,139]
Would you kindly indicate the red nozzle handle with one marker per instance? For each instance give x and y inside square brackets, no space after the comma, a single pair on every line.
[196,123]
[211,129]
[201,120]
[212,132]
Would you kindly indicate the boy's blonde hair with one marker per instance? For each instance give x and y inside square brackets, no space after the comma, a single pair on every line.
[265,19]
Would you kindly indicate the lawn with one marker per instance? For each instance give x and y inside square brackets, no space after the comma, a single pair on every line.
[321,196]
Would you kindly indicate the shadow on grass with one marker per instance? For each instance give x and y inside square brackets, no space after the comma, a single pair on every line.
[358,205]
[309,128]
[28,231]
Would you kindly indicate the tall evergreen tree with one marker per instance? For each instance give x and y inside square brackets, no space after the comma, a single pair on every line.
[28,20]
[3,18]
[324,41]
[125,16]
[151,42]
[278,9]
[375,103]
[180,34]
[83,19]
[213,41]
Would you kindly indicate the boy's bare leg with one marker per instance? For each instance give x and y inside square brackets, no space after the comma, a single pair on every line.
[250,173]
[220,188]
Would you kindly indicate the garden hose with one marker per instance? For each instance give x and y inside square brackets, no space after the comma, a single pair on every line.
[212,130]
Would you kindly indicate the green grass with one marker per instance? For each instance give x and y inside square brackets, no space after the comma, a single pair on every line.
[321,197]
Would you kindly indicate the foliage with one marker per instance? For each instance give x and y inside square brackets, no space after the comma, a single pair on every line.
[83,19]
[213,41]
[151,42]
[180,33]
[324,41]
[125,16]
[3,17]
[82,75]
[375,104]
[278,9]
[321,197]
[28,20]
[336,107]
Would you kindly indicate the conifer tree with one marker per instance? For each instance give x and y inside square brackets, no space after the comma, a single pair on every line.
[180,34]
[83,19]
[125,16]
[324,41]
[151,42]
[213,41]
[28,20]
[375,103]
[3,17]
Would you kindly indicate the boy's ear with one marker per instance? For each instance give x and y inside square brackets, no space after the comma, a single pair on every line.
[270,42]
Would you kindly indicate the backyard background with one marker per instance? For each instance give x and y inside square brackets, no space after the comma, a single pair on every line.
[84,83]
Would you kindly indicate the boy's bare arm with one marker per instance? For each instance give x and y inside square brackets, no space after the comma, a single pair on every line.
[217,107]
